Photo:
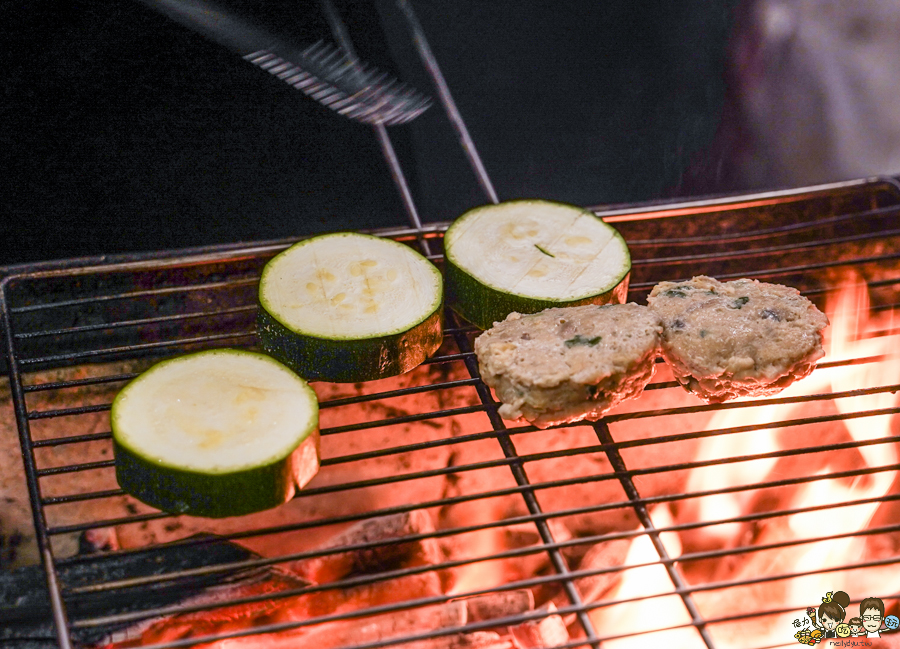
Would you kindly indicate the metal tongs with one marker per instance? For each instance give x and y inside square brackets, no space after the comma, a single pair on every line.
[322,71]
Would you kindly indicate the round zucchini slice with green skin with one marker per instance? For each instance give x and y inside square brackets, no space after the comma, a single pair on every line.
[530,255]
[350,307]
[215,434]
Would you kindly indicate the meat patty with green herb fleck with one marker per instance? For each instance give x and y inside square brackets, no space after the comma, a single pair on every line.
[732,339]
[569,364]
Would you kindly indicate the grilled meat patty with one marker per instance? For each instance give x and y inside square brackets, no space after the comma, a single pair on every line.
[568,364]
[743,338]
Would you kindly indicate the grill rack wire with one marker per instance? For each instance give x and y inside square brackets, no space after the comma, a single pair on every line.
[151,306]
[21,330]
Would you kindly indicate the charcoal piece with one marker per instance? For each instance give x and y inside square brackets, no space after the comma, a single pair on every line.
[25,613]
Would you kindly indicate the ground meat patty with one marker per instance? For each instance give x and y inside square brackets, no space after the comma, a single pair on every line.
[742,338]
[569,364]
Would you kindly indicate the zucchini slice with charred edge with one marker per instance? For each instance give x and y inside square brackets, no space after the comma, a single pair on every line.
[530,255]
[216,433]
[350,307]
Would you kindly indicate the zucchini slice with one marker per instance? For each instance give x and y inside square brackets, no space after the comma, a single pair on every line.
[216,433]
[530,255]
[350,307]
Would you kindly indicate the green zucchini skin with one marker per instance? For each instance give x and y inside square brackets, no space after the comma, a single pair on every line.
[171,486]
[211,495]
[350,360]
[483,305]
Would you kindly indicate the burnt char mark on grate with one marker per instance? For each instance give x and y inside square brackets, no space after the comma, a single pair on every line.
[25,608]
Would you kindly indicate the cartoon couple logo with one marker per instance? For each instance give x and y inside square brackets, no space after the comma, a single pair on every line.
[828,620]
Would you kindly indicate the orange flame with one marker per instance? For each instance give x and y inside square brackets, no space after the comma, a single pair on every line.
[855,334]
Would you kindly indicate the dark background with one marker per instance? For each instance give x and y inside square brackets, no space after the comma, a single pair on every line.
[122,131]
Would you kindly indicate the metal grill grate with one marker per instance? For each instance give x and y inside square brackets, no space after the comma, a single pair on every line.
[75,336]
[432,443]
